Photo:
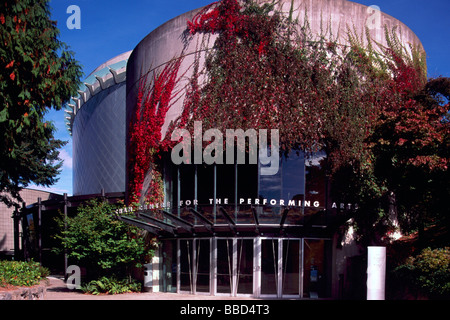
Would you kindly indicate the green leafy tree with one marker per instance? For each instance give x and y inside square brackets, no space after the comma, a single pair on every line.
[37,73]
[102,244]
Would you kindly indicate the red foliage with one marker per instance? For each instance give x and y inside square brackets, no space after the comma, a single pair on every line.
[414,129]
[145,132]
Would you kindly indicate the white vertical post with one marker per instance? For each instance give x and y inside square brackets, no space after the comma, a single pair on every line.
[376,273]
[155,267]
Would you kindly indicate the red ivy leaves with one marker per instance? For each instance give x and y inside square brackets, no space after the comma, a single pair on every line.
[221,16]
[145,134]
[227,19]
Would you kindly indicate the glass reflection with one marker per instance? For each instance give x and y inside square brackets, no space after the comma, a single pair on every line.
[288,183]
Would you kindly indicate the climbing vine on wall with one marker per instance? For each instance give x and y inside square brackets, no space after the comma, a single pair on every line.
[154,100]
[267,71]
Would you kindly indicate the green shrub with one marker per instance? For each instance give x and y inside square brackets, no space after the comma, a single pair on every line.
[19,273]
[111,286]
[97,241]
[429,271]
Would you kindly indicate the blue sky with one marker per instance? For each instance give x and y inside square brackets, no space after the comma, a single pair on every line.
[111,27]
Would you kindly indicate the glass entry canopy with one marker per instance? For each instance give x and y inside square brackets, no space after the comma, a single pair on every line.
[258,267]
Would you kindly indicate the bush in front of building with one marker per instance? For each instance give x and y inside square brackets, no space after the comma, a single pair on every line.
[21,273]
[428,272]
[108,249]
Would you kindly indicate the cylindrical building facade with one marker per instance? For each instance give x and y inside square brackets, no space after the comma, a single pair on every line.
[97,121]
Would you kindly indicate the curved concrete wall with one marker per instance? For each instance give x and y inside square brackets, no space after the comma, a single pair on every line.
[167,41]
[160,46]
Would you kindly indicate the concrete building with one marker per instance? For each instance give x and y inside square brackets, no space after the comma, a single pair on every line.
[217,238]
[246,248]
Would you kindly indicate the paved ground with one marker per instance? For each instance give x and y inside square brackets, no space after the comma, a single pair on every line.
[57,290]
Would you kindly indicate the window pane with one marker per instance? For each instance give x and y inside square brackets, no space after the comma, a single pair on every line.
[186,265]
[245,266]
[293,175]
[224,265]
[316,182]
[203,265]
[187,183]
[205,184]
[288,183]
[291,267]
[225,183]
[269,266]
[169,266]
[247,184]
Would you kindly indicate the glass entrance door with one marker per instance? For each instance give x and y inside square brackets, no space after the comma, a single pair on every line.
[269,267]
[234,266]
[169,266]
[225,266]
[291,272]
[202,265]
[280,267]
[186,266]
[244,277]
[195,265]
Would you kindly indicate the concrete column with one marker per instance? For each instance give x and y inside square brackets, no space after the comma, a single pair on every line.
[376,273]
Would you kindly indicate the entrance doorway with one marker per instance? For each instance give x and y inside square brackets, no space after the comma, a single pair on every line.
[234,266]
[270,273]
[281,261]
[291,268]
[259,267]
